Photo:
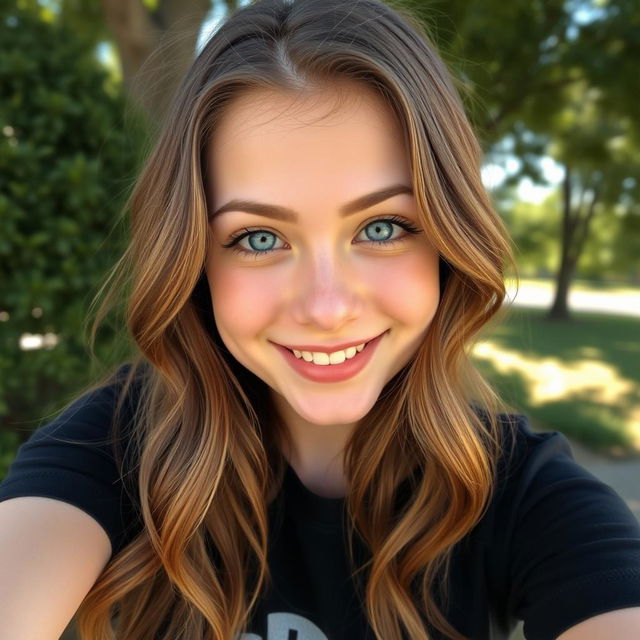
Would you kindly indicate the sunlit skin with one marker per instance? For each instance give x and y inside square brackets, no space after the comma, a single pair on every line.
[325,282]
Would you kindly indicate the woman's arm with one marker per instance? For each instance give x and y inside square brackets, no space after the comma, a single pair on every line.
[51,554]
[622,624]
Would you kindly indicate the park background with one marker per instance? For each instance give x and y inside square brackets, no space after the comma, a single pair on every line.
[552,89]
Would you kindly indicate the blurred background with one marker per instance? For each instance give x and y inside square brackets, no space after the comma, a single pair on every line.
[552,88]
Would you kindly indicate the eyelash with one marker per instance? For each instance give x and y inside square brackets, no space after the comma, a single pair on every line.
[235,239]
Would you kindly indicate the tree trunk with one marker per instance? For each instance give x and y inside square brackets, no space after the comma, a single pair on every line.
[575,228]
[156,48]
[560,307]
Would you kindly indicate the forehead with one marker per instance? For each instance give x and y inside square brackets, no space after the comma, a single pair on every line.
[324,105]
[342,133]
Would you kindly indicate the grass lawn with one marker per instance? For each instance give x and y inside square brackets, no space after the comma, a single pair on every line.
[580,377]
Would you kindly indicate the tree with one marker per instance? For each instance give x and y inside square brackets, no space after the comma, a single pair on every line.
[505,55]
[598,139]
[156,45]
[602,177]
[66,164]
[155,41]
[556,78]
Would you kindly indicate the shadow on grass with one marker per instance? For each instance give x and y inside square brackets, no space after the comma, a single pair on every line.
[578,377]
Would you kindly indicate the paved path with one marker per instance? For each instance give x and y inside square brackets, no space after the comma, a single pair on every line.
[539,294]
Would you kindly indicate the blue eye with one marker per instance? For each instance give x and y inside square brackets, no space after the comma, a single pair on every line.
[262,241]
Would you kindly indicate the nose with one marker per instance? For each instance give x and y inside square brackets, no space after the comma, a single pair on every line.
[328,292]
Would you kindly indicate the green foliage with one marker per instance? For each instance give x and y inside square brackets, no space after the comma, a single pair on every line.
[67,162]
[534,233]
[504,54]
[557,78]
[610,249]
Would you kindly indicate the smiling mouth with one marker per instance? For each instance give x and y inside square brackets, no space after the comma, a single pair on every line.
[305,351]
[320,367]
[364,343]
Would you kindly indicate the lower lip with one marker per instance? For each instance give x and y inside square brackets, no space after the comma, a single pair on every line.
[331,372]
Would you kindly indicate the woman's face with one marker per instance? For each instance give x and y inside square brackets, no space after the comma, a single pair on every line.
[316,276]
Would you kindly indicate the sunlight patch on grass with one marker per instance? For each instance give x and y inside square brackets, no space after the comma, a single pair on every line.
[551,379]
[580,377]
[634,427]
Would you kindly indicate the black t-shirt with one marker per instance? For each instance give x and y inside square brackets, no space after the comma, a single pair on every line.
[555,547]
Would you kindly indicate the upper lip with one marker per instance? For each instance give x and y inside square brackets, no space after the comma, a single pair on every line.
[328,349]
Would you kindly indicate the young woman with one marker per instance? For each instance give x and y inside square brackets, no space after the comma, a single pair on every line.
[301,448]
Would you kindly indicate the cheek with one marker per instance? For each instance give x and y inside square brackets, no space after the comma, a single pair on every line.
[407,289]
[243,301]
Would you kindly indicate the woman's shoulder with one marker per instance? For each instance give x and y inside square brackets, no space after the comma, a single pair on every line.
[73,457]
[537,477]
[92,423]
[528,452]
[539,484]
[92,414]
[555,533]
[523,449]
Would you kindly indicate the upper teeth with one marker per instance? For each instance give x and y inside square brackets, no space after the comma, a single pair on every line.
[329,358]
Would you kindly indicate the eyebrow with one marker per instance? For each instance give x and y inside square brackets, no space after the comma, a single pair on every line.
[289,215]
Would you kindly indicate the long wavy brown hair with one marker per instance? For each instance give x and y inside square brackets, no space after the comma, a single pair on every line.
[207,461]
